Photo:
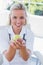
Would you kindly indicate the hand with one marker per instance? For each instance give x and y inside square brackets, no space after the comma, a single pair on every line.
[20,44]
[13,44]
[23,52]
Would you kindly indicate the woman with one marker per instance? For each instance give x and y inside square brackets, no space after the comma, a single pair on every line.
[19,51]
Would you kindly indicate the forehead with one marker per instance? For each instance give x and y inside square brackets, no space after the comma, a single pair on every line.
[18,12]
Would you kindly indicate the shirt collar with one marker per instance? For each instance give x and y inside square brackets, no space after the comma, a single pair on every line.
[23,31]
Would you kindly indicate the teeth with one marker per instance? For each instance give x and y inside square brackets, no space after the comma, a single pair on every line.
[17,24]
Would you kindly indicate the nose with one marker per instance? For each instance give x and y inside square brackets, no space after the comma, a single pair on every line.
[18,20]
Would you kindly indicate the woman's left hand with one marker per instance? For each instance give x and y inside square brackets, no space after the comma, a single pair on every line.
[20,43]
[24,52]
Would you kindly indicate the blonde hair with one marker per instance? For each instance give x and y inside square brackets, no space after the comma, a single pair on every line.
[18,6]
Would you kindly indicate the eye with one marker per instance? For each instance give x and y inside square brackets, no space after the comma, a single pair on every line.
[21,17]
[15,17]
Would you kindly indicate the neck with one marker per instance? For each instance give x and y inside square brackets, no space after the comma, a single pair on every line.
[16,31]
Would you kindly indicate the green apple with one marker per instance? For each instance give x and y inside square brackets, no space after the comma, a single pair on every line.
[16,37]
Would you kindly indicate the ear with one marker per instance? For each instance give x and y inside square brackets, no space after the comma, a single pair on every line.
[24,23]
[9,19]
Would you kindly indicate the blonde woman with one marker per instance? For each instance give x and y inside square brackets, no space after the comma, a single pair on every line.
[18,51]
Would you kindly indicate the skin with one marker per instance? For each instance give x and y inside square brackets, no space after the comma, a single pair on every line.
[18,18]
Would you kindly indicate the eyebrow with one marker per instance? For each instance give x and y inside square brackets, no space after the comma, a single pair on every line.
[20,17]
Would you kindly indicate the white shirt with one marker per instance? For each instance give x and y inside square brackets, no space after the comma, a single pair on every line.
[29,37]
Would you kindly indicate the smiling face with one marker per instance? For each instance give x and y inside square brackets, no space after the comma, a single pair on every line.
[18,18]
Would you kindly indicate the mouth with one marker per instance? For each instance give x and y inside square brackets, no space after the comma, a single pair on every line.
[18,25]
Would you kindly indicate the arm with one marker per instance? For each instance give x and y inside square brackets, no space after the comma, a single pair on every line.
[10,53]
[25,53]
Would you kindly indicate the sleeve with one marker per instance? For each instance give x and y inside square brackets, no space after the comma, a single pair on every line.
[3,46]
[4,43]
[29,39]
[5,61]
[4,40]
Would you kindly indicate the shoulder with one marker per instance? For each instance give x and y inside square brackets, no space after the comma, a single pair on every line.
[27,29]
[4,30]
[4,27]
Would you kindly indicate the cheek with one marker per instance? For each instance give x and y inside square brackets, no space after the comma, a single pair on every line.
[13,22]
[24,22]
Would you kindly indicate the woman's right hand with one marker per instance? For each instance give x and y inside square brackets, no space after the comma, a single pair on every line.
[10,53]
[13,44]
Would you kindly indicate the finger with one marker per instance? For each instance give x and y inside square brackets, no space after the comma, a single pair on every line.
[13,44]
[20,40]
[18,44]
[23,42]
